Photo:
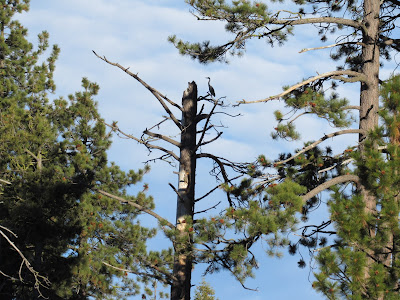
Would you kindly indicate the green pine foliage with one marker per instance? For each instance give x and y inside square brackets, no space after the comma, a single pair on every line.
[204,291]
[52,163]
[356,246]
[379,171]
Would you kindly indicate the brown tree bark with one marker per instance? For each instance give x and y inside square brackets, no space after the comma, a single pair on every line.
[369,98]
[180,290]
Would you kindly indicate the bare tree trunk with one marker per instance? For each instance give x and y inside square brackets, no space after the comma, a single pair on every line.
[369,99]
[180,290]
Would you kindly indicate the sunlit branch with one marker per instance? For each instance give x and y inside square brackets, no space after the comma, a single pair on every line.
[329,183]
[325,137]
[326,20]
[139,273]
[333,74]
[347,161]
[5,181]
[330,46]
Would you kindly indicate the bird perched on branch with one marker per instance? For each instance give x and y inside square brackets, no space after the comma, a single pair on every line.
[210,88]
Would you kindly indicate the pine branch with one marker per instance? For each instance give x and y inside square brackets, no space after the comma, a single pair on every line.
[138,206]
[329,183]
[325,20]
[156,93]
[330,46]
[327,136]
[355,75]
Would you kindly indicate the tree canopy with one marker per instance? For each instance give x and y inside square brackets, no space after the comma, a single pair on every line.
[54,225]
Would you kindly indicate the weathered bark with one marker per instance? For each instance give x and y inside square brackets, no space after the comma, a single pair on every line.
[369,98]
[180,290]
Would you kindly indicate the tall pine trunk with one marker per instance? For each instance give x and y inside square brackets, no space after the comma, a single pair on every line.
[180,289]
[369,102]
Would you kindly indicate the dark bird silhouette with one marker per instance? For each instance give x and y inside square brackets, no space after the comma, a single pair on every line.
[210,88]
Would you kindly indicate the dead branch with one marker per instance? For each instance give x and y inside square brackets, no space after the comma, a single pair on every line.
[357,107]
[182,197]
[212,140]
[138,206]
[156,93]
[40,281]
[5,181]
[356,75]
[162,137]
[327,136]
[329,183]
[164,158]
[215,188]
[205,126]
[318,20]
[222,169]
[205,210]
[114,127]
[159,123]
[330,46]
[347,161]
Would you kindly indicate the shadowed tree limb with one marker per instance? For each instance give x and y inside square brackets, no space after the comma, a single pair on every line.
[205,126]
[138,206]
[40,281]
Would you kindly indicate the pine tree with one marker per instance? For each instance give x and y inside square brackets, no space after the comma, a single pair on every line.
[52,161]
[204,291]
[360,261]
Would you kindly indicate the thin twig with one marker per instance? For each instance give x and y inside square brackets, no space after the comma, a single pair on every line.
[205,210]
[114,127]
[156,93]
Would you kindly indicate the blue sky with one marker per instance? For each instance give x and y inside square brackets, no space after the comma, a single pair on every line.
[134,33]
